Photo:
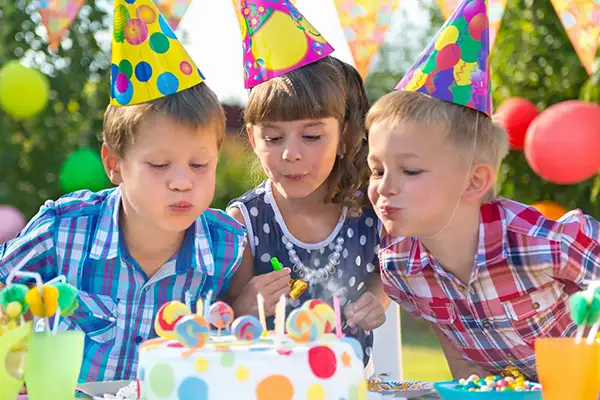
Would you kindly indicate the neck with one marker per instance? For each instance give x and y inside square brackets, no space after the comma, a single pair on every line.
[456,247]
[314,203]
[150,246]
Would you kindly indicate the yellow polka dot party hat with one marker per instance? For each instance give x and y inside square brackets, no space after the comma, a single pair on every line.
[148,61]
[276,39]
[455,65]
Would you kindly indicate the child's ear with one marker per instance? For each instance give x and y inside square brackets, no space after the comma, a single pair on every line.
[482,178]
[111,160]
[250,132]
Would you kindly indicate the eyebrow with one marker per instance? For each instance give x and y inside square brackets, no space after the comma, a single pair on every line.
[308,124]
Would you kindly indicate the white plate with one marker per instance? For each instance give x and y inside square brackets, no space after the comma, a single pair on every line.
[97,390]
[403,389]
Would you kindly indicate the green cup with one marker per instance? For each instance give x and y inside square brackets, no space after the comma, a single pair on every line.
[53,365]
[11,380]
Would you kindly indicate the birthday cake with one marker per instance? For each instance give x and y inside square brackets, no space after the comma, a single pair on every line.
[189,361]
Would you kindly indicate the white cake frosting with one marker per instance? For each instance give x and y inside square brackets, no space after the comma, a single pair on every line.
[227,369]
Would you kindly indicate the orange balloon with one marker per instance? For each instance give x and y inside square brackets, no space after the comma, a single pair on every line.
[550,209]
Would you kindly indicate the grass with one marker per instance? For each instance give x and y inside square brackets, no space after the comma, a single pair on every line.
[422,357]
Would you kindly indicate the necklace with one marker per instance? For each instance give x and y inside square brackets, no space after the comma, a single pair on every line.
[323,273]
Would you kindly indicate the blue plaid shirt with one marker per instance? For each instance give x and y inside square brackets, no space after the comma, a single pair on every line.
[78,236]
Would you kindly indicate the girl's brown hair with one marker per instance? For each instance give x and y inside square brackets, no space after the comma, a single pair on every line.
[324,89]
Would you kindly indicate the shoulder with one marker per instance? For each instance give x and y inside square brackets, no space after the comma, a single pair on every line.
[219,220]
[83,203]
[249,198]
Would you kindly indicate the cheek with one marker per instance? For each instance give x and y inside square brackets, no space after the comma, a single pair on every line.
[372,192]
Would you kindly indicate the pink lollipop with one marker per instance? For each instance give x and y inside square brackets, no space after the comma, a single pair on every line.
[220,314]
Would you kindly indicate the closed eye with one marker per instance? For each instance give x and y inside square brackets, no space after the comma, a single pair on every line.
[158,166]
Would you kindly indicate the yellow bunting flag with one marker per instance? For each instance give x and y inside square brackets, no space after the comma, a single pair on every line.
[581,20]
[365,23]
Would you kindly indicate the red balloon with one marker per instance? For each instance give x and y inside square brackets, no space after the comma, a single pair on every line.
[516,114]
[477,25]
[447,57]
[563,143]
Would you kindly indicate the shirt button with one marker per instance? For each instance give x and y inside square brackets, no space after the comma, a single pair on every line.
[139,339]
[461,289]
[433,314]
[535,305]
[487,324]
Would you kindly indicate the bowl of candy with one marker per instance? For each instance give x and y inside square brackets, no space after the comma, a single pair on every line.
[489,388]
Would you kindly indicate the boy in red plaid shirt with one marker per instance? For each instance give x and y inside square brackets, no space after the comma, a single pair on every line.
[490,274]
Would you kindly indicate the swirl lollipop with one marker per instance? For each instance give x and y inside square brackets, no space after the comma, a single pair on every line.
[192,331]
[220,315]
[323,312]
[303,326]
[168,316]
[247,327]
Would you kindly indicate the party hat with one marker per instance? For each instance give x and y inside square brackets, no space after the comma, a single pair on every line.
[148,62]
[455,65]
[276,39]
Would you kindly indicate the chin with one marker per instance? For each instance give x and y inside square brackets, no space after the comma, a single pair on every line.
[296,191]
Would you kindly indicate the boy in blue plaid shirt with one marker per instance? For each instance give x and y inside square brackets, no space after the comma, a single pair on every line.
[152,239]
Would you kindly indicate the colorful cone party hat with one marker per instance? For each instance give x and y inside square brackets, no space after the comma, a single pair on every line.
[455,65]
[148,62]
[276,39]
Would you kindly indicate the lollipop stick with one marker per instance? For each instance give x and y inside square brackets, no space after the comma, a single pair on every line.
[56,318]
[580,333]
[200,307]
[218,332]
[593,332]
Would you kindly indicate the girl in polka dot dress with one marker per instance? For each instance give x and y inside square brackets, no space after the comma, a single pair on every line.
[307,129]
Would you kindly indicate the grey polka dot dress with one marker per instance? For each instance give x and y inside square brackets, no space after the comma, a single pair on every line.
[355,240]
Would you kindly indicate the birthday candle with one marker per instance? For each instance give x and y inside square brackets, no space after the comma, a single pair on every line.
[279,320]
[188,300]
[260,301]
[200,307]
[207,303]
[338,317]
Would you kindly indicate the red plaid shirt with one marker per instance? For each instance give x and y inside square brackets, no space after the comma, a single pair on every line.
[526,267]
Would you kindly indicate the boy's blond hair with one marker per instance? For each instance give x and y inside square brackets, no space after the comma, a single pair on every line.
[465,128]
[197,107]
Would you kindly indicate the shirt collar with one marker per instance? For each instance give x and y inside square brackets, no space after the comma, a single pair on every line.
[492,247]
[195,251]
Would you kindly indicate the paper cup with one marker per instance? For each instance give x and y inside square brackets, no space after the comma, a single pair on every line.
[53,365]
[567,370]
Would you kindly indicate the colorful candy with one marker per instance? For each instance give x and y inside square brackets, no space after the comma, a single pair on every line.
[67,297]
[303,326]
[220,314]
[324,312]
[168,315]
[247,327]
[192,331]
[297,288]
[43,304]
[496,384]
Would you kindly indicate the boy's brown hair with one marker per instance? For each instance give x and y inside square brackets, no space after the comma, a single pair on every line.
[467,129]
[327,88]
[197,107]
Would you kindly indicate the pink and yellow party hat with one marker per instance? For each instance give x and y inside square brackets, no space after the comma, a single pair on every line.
[276,39]
[148,61]
[455,65]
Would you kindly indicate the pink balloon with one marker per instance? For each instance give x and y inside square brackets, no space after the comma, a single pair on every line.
[11,223]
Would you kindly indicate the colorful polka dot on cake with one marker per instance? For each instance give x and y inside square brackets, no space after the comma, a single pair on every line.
[275,387]
[315,392]
[193,388]
[322,361]
[201,364]
[162,380]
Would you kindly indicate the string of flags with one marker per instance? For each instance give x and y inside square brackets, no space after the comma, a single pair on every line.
[365,22]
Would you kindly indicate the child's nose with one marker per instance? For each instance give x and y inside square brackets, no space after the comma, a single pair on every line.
[292,153]
[388,187]
[180,180]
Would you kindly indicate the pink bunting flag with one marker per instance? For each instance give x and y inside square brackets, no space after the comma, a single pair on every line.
[57,16]
[495,13]
[365,23]
[581,20]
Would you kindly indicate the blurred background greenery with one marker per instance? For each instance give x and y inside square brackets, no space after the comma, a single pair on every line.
[532,58]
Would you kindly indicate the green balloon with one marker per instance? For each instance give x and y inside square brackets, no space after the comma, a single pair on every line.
[83,169]
[430,64]
[469,48]
[23,91]
[462,94]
